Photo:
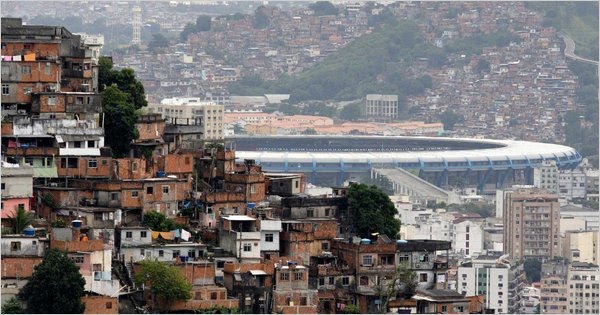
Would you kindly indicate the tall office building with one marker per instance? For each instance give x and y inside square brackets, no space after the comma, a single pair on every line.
[531,224]
[381,107]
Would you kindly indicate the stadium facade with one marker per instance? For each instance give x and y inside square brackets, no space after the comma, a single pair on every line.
[440,161]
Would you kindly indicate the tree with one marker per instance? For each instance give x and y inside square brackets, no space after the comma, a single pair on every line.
[372,211]
[203,23]
[403,285]
[124,79]
[353,111]
[157,221]
[323,8]
[351,309]
[309,131]
[533,269]
[55,287]
[165,282]
[119,122]
[158,41]
[21,219]
[450,118]
[261,19]
[12,306]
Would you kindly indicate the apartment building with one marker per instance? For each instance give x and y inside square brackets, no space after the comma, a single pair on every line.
[17,189]
[180,110]
[554,295]
[581,246]
[584,288]
[49,99]
[531,224]
[546,177]
[381,107]
[493,276]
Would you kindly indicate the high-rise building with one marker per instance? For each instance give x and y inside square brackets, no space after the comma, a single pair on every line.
[584,287]
[546,177]
[496,279]
[581,246]
[531,224]
[381,107]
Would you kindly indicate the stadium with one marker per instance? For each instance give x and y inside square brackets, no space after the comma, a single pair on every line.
[440,161]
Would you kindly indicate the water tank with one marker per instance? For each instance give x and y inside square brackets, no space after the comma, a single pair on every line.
[29,231]
[365,241]
[250,205]
[76,223]
[218,251]
[161,174]
[401,242]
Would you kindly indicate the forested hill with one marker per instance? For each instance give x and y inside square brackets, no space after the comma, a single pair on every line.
[374,63]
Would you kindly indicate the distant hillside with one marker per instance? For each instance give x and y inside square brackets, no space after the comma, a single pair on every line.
[373,63]
[578,19]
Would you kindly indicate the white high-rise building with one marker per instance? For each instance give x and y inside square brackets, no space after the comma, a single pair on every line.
[496,279]
[546,177]
[186,110]
[583,281]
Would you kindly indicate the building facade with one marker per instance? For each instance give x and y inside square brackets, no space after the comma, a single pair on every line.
[381,107]
[186,110]
[531,224]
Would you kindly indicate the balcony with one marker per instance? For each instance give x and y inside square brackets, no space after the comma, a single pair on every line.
[32,151]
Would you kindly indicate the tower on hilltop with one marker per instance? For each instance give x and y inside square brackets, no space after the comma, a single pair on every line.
[136,24]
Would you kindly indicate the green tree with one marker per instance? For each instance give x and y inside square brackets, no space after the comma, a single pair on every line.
[120,118]
[203,23]
[165,282]
[309,131]
[124,79]
[13,306]
[323,8]
[372,211]
[352,111]
[158,41]
[403,285]
[21,219]
[188,29]
[533,269]
[55,287]
[450,118]
[157,221]
[351,309]
[261,19]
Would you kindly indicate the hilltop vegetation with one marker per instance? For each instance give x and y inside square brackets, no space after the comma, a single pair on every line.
[577,19]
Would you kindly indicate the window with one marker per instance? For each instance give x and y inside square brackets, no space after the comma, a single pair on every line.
[28,46]
[114,196]
[92,163]
[51,100]
[161,253]
[213,295]
[327,212]
[310,213]
[91,144]
[444,308]
[143,234]
[345,280]
[253,189]
[5,89]
[98,216]
[175,253]
[423,277]
[298,275]
[303,300]
[284,276]
[128,234]
[325,245]
[321,281]
[3,186]
[367,260]
[403,259]
[149,190]
[26,69]
[15,246]
[220,264]
[247,247]
[134,166]
[165,190]
[108,305]
[134,194]
[331,280]
[47,69]
[269,237]
[77,259]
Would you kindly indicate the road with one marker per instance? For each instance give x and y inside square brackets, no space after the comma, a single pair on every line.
[570,51]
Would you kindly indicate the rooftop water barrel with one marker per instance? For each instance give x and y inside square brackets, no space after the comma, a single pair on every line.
[161,174]
[29,231]
[76,223]
[365,241]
